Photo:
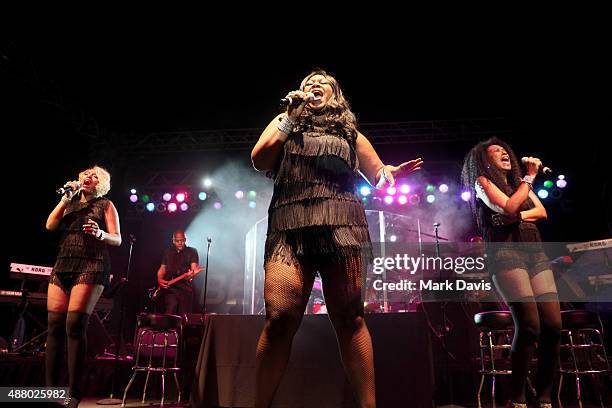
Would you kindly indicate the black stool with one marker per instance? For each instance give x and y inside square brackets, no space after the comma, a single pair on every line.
[152,327]
[581,334]
[496,329]
[492,327]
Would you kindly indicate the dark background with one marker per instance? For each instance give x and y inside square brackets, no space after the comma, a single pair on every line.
[59,88]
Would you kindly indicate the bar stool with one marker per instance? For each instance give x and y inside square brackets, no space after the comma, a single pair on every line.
[581,335]
[495,333]
[161,335]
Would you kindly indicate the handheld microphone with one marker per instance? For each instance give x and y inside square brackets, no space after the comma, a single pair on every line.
[209,240]
[543,169]
[297,101]
[65,189]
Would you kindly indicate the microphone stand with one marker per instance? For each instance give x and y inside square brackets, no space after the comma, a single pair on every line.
[447,378]
[206,279]
[122,284]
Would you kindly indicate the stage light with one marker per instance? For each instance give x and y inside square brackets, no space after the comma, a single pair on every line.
[172,207]
[388,199]
[365,191]
[542,193]
[145,198]
[133,198]
[404,189]
[561,183]
[180,197]
[202,195]
[430,188]
[167,196]
[392,238]
[161,207]
[252,204]
[431,198]
[184,206]
[548,184]
[391,190]
[402,199]
[150,207]
[443,188]
[140,207]
[207,182]
[217,205]
[133,191]
[239,194]
[466,196]
[252,195]
[561,177]
[556,193]
[415,199]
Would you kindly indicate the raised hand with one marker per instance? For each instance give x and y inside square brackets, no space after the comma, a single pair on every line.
[404,169]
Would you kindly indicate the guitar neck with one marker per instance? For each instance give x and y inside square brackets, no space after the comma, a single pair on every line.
[178,278]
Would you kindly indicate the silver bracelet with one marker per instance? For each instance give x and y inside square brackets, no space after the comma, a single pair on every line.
[285,125]
[65,200]
[383,179]
[529,179]
[100,235]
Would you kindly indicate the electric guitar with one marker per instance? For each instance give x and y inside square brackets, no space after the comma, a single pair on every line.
[154,293]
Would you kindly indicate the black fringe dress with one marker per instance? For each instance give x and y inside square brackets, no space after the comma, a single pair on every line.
[315,210]
[82,258]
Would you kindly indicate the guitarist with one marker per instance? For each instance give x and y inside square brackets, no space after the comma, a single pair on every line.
[177,260]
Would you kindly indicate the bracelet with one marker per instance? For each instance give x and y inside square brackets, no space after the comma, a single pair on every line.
[529,181]
[285,125]
[383,179]
[100,235]
[65,200]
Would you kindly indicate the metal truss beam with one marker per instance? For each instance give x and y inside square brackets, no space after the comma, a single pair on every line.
[197,141]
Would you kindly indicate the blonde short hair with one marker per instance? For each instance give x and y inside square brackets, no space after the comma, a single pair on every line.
[104,178]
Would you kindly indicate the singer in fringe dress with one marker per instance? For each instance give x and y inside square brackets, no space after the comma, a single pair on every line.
[314,153]
[88,223]
[506,211]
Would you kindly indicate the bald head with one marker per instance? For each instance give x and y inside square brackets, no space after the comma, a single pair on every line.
[179,239]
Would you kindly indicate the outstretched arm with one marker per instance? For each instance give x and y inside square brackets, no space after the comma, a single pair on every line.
[372,168]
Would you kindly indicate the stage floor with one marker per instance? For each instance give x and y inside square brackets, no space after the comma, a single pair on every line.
[408,362]
[132,403]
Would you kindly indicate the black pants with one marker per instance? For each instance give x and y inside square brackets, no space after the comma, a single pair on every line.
[178,300]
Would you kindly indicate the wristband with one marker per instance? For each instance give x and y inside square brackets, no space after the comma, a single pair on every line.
[285,125]
[383,179]
[100,235]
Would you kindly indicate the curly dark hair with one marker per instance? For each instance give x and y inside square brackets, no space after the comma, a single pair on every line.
[336,114]
[477,163]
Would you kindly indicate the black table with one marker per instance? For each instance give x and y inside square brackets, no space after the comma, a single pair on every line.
[225,370]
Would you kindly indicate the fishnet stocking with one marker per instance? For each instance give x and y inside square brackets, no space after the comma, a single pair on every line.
[286,291]
[342,287]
